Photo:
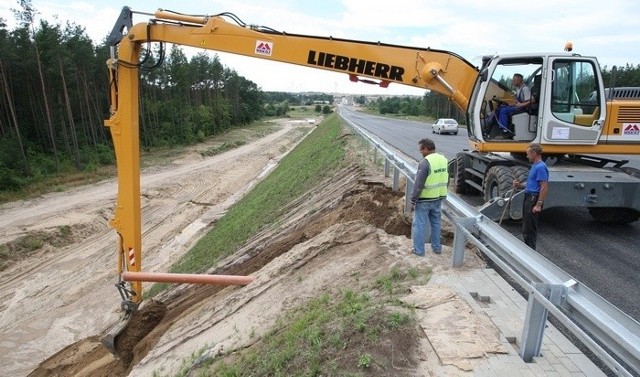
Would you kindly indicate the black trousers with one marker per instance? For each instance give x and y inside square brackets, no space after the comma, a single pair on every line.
[529,220]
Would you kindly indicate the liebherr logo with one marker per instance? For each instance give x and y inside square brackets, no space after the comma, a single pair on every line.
[631,129]
[355,65]
[264,48]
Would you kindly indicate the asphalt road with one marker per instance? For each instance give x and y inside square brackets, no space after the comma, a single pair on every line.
[606,258]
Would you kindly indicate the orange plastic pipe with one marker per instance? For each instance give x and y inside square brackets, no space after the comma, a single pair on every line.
[160,277]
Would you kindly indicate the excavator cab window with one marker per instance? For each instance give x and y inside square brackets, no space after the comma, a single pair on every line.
[505,70]
[502,92]
[574,83]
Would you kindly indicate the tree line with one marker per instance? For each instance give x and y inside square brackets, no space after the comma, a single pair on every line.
[54,98]
[431,104]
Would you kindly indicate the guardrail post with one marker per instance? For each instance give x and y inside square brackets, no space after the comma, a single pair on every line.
[396,177]
[388,164]
[408,188]
[460,240]
[536,318]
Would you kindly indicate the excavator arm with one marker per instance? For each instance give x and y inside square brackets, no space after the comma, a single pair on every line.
[369,62]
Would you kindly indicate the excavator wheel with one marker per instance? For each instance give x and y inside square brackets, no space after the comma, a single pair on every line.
[520,172]
[462,162]
[497,182]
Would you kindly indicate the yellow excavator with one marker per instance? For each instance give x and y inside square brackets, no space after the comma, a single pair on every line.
[576,119]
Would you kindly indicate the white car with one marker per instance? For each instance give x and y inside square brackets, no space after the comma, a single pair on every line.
[445,125]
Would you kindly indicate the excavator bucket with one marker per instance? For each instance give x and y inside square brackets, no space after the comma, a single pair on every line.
[134,326]
[129,308]
[109,340]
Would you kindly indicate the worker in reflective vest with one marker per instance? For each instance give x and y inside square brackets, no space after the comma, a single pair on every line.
[429,189]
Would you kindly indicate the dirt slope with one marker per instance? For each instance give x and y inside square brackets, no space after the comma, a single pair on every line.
[347,232]
[63,295]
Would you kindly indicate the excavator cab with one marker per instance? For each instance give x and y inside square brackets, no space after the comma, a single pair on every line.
[563,108]
[575,120]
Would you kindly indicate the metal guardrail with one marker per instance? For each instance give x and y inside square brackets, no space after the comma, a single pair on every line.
[612,335]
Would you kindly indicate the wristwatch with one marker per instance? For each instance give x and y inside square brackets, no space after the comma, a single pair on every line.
[540,202]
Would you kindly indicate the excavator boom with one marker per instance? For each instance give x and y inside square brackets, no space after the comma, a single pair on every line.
[437,70]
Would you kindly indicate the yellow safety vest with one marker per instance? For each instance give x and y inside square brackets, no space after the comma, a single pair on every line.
[435,186]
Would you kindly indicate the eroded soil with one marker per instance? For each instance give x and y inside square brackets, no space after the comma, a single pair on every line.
[65,292]
[347,232]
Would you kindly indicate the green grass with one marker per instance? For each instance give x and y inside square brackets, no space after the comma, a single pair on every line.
[58,182]
[333,334]
[30,243]
[316,157]
[306,111]
[225,146]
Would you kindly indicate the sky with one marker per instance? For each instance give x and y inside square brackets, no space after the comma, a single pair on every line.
[609,30]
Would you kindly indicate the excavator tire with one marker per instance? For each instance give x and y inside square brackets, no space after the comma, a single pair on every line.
[520,172]
[463,161]
[497,182]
